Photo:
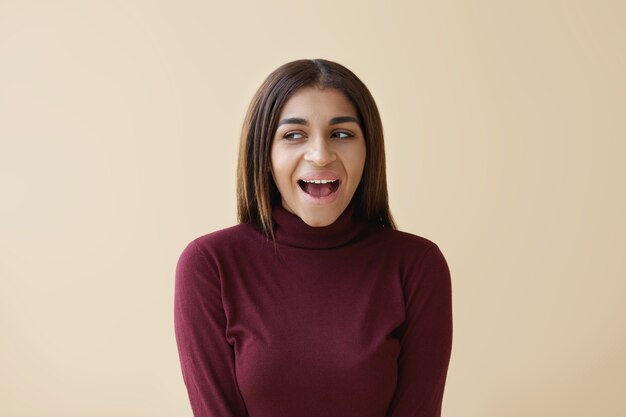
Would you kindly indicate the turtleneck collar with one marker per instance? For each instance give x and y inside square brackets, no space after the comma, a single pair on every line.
[291,230]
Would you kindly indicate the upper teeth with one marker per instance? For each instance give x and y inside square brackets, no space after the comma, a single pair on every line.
[319,181]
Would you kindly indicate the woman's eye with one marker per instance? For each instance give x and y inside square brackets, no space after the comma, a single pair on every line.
[293,135]
[342,135]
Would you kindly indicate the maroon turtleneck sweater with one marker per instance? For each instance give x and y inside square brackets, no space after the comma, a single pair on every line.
[347,320]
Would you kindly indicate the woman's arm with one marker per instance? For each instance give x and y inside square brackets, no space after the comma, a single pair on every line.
[206,358]
[425,338]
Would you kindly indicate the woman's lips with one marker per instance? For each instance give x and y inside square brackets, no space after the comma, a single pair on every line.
[319,175]
[319,188]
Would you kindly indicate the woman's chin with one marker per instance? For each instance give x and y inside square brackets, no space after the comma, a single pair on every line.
[316,212]
[317,222]
[320,216]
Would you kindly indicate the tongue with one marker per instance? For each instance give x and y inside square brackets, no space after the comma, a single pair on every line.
[319,190]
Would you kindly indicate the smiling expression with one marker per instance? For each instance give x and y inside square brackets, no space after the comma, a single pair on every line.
[317,155]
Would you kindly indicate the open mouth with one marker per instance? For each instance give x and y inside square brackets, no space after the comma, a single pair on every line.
[319,188]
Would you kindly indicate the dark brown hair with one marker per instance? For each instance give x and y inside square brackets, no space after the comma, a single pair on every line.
[256,190]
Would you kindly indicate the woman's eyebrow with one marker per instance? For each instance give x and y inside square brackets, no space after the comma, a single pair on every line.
[343,119]
[333,121]
[293,121]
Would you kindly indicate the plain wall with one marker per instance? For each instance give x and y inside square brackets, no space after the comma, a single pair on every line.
[505,128]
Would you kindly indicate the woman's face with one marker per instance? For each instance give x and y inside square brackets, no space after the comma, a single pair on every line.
[318,154]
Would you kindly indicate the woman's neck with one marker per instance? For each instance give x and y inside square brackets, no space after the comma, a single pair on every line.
[291,230]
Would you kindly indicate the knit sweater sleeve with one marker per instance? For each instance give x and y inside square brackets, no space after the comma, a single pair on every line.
[206,357]
[425,337]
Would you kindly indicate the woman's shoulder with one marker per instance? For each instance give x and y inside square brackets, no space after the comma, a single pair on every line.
[421,265]
[409,249]
[234,235]
[403,240]
[233,239]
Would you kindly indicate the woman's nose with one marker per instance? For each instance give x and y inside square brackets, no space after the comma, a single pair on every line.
[319,152]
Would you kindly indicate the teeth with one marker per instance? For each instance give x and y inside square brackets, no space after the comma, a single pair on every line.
[319,181]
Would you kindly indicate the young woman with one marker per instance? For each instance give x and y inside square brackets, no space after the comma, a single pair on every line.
[314,304]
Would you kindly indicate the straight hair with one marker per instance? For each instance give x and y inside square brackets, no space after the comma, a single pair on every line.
[256,190]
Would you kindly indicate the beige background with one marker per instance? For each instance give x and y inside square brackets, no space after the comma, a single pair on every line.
[506,137]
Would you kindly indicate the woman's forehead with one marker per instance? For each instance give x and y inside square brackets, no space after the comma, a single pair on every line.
[315,103]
